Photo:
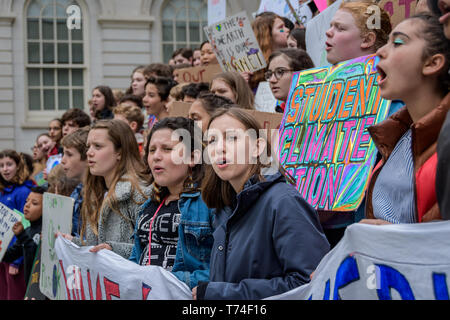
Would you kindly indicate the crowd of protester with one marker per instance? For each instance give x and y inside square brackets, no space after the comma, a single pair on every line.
[227,229]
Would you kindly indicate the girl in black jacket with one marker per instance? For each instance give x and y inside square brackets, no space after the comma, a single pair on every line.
[267,238]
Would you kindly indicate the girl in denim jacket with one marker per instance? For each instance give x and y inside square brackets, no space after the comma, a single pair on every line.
[175,218]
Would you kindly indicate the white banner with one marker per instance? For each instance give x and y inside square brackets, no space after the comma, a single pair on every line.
[407,261]
[107,276]
[7,220]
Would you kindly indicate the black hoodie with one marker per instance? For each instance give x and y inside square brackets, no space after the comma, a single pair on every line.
[26,245]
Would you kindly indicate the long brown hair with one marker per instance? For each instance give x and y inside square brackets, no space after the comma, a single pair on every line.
[22,173]
[129,168]
[217,193]
[241,89]
[262,27]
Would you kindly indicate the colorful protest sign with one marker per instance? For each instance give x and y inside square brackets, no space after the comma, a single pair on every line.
[398,10]
[315,37]
[264,99]
[324,142]
[235,44]
[56,216]
[7,220]
[390,262]
[197,74]
[39,178]
[105,275]
[33,292]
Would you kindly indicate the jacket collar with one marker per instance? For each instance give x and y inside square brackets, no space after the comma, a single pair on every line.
[28,183]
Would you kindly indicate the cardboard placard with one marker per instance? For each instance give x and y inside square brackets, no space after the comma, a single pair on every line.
[281,7]
[197,74]
[235,44]
[180,109]
[56,216]
[7,220]
[324,142]
[398,10]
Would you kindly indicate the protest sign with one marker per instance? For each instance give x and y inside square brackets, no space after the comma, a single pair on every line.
[235,44]
[281,7]
[390,262]
[56,216]
[53,161]
[398,10]
[180,109]
[7,220]
[33,292]
[324,142]
[315,37]
[216,11]
[105,275]
[264,99]
[39,178]
[197,74]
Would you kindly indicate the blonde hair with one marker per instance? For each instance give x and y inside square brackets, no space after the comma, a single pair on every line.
[359,12]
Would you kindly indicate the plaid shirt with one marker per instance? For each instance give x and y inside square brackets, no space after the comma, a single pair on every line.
[76,218]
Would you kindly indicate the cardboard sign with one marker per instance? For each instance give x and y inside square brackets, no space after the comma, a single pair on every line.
[56,216]
[33,292]
[324,142]
[7,220]
[180,109]
[398,10]
[268,120]
[391,262]
[197,74]
[235,44]
[264,99]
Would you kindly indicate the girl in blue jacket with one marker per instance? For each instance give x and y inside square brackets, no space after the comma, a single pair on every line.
[15,187]
[174,227]
[267,238]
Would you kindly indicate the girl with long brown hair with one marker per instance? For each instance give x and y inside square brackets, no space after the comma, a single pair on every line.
[15,186]
[114,187]
[267,239]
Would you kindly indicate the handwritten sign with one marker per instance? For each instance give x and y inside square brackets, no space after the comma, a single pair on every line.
[398,10]
[235,44]
[324,142]
[197,74]
[56,216]
[7,219]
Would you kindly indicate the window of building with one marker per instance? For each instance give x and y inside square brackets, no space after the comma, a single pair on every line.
[55,61]
[182,25]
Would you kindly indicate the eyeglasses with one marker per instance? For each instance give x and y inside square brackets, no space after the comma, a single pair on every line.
[278,72]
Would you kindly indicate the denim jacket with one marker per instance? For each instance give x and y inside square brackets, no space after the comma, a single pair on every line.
[195,239]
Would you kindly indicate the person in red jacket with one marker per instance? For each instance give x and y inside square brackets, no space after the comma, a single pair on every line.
[413,68]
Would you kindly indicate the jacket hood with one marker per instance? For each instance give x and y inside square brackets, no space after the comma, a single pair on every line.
[28,183]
